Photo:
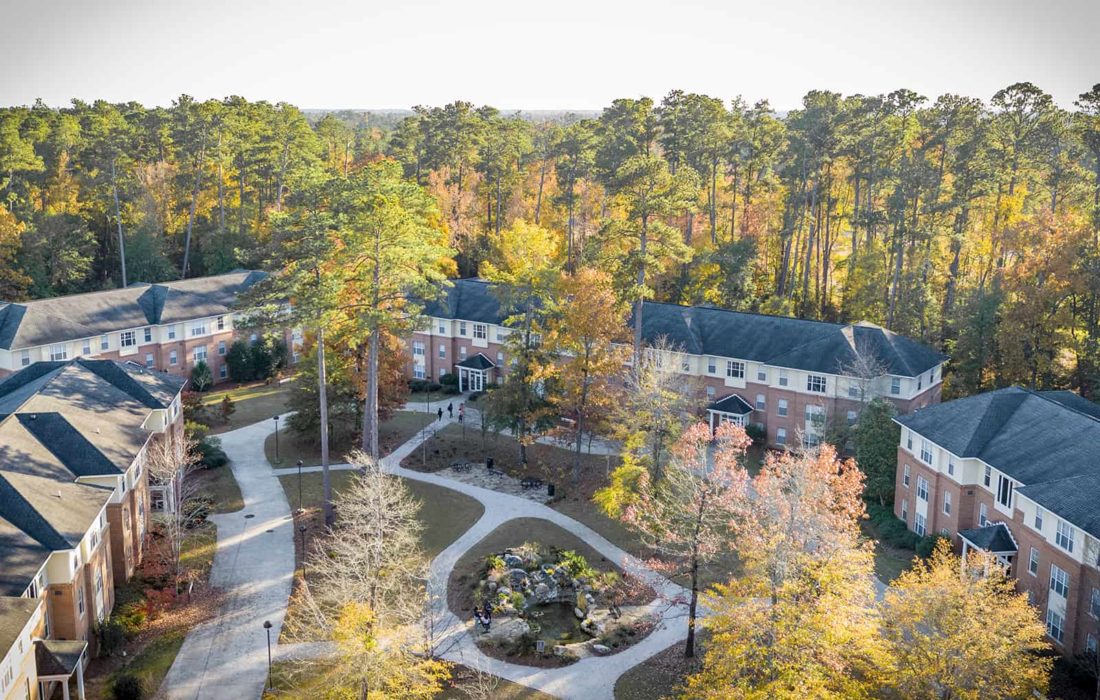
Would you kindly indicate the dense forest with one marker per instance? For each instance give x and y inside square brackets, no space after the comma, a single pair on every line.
[972,225]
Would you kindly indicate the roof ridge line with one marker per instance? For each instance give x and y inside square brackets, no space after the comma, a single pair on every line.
[1038,394]
[35,514]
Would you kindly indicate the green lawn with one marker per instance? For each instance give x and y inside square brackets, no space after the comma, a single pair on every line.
[220,485]
[890,561]
[445,514]
[418,398]
[151,664]
[252,403]
[392,433]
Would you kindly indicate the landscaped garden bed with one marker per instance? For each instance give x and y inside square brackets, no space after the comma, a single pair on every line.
[549,602]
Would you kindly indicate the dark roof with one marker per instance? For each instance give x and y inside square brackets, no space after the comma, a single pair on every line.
[15,613]
[1075,401]
[1074,499]
[992,538]
[59,319]
[57,657]
[1042,441]
[478,361]
[59,422]
[731,404]
[781,341]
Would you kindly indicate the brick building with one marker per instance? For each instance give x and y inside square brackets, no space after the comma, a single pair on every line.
[74,504]
[790,376]
[1015,473]
[168,327]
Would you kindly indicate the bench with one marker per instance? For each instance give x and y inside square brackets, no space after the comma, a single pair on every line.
[461,466]
[531,483]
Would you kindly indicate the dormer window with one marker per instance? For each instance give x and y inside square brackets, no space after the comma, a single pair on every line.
[816,383]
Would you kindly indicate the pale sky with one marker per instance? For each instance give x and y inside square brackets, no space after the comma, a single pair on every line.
[554,54]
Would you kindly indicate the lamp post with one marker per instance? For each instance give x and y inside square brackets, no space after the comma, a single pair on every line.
[302,529]
[300,509]
[276,419]
[267,626]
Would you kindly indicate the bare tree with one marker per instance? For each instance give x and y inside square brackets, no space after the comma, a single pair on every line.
[866,371]
[169,462]
[480,684]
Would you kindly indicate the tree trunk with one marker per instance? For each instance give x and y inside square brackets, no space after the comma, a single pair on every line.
[569,238]
[282,176]
[369,442]
[118,220]
[581,407]
[538,198]
[322,393]
[194,204]
[642,245]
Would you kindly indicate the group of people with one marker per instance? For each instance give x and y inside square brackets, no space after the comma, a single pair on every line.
[484,617]
[451,411]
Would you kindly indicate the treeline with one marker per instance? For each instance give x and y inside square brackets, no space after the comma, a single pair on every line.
[974,226]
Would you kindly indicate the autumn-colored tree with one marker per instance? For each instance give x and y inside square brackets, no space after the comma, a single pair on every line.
[684,518]
[582,336]
[800,619]
[525,265]
[962,631]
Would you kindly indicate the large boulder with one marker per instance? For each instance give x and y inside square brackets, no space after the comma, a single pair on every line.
[505,630]
[601,649]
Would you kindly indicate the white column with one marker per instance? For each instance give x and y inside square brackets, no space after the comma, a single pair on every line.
[80,679]
[65,689]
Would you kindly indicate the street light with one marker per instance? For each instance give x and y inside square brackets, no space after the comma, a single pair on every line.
[276,419]
[267,626]
[302,529]
[300,509]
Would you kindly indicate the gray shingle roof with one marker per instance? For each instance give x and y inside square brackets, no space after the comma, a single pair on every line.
[478,361]
[992,538]
[1042,441]
[731,404]
[15,613]
[57,657]
[60,421]
[781,341]
[59,319]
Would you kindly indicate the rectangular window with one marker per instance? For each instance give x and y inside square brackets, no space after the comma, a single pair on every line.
[147,334]
[919,383]
[172,332]
[1059,581]
[221,347]
[951,466]
[418,348]
[947,503]
[1094,603]
[418,371]
[149,361]
[80,598]
[987,477]
[918,524]
[895,385]
[462,352]
[1004,491]
[1033,562]
[781,407]
[905,511]
[86,347]
[1055,626]
[685,365]
[1038,518]
[173,357]
[25,358]
[761,376]
[442,352]
[127,339]
[200,354]
[223,371]
[781,436]
[198,329]
[221,323]
[500,335]
[500,359]
[852,417]
[58,353]
[905,476]
[462,328]
[783,377]
[853,390]
[481,332]
[983,515]
[710,392]
[1063,537]
[712,366]
[1090,646]
[925,451]
[442,329]
[922,488]
[815,383]
[104,342]
[761,402]
[735,369]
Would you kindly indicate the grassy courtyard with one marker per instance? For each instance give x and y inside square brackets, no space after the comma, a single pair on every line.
[252,403]
[392,433]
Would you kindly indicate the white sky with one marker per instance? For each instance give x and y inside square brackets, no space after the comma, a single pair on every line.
[553,54]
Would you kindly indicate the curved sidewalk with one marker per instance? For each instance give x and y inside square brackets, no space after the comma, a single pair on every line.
[226,657]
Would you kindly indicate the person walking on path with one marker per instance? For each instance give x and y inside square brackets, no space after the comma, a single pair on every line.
[440,413]
[450,410]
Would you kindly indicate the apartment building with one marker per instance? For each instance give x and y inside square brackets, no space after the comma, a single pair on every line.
[1014,473]
[74,501]
[790,376]
[168,327]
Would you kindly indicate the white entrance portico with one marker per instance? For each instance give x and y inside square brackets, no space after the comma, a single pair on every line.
[474,373]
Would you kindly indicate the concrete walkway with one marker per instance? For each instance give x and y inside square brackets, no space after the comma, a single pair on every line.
[254,564]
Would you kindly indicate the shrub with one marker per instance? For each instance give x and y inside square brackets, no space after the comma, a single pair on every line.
[476,395]
[927,545]
[517,600]
[575,564]
[449,380]
[239,362]
[451,389]
[111,635]
[211,454]
[418,385]
[128,687]
[434,386]
[757,433]
[227,408]
[263,359]
[891,529]
[201,377]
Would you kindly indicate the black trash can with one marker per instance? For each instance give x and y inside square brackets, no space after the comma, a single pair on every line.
[550,490]
[488,462]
